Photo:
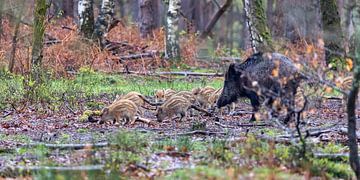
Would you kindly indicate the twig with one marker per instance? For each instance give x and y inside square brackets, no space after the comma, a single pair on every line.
[201,110]
[207,133]
[148,121]
[7,114]
[51,42]
[61,168]
[68,28]
[71,110]
[224,126]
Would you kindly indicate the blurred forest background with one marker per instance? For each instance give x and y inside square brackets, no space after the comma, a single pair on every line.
[296,27]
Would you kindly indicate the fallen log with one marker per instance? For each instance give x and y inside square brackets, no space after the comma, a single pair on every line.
[61,168]
[236,59]
[187,73]
[178,73]
[66,146]
[150,54]
[241,125]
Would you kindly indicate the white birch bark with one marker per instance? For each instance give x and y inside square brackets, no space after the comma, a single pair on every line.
[172,50]
[104,20]
[86,18]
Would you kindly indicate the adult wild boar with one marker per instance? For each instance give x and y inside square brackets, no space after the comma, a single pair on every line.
[266,76]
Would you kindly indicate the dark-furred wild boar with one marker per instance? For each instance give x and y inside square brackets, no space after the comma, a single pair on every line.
[266,76]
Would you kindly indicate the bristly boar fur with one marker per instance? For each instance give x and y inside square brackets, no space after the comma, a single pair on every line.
[268,75]
[122,110]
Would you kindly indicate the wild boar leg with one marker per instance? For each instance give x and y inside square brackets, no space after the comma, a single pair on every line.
[254,99]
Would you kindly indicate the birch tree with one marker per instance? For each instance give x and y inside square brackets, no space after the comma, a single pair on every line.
[172,50]
[256,21]
[38,38]
[104,21]
[86,18]
[332,32]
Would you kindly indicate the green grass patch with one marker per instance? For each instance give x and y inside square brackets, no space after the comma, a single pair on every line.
[88,85]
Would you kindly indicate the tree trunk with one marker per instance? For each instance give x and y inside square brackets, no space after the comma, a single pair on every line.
[351,103]
[215,18]
[14,42]
[104,20]
[348,28]
[332,32]
[256,21]
[38,38]
[86,18]
[270,12]
[172,50]
[68,8]
[1,12]
[147,22]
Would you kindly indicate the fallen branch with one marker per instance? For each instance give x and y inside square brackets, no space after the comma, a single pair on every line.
[199,132]
[345,131]
[201,110]
[66,146]
[61,168]
[7,114]
[237,59]
[308,133]
[173,154]
[151,54]
[241,125]
[148,121]
[335,156]
[224,126]
[68,28]
[240,113]
[186,73]
[52,42]
[180,73]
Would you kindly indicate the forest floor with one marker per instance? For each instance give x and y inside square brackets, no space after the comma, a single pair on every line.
[50,138]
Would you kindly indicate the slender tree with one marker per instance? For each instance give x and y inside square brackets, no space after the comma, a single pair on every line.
[172,50]
[147,22]
[16,24]
[1,12]
[256,21]
[38,38]
[353,96]
[86,18]
[104,20]
[332,32]
[215,18]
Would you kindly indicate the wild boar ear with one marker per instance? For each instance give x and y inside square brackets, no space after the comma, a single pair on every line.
[233,71]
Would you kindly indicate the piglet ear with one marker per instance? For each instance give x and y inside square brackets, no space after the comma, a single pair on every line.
[105,111]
